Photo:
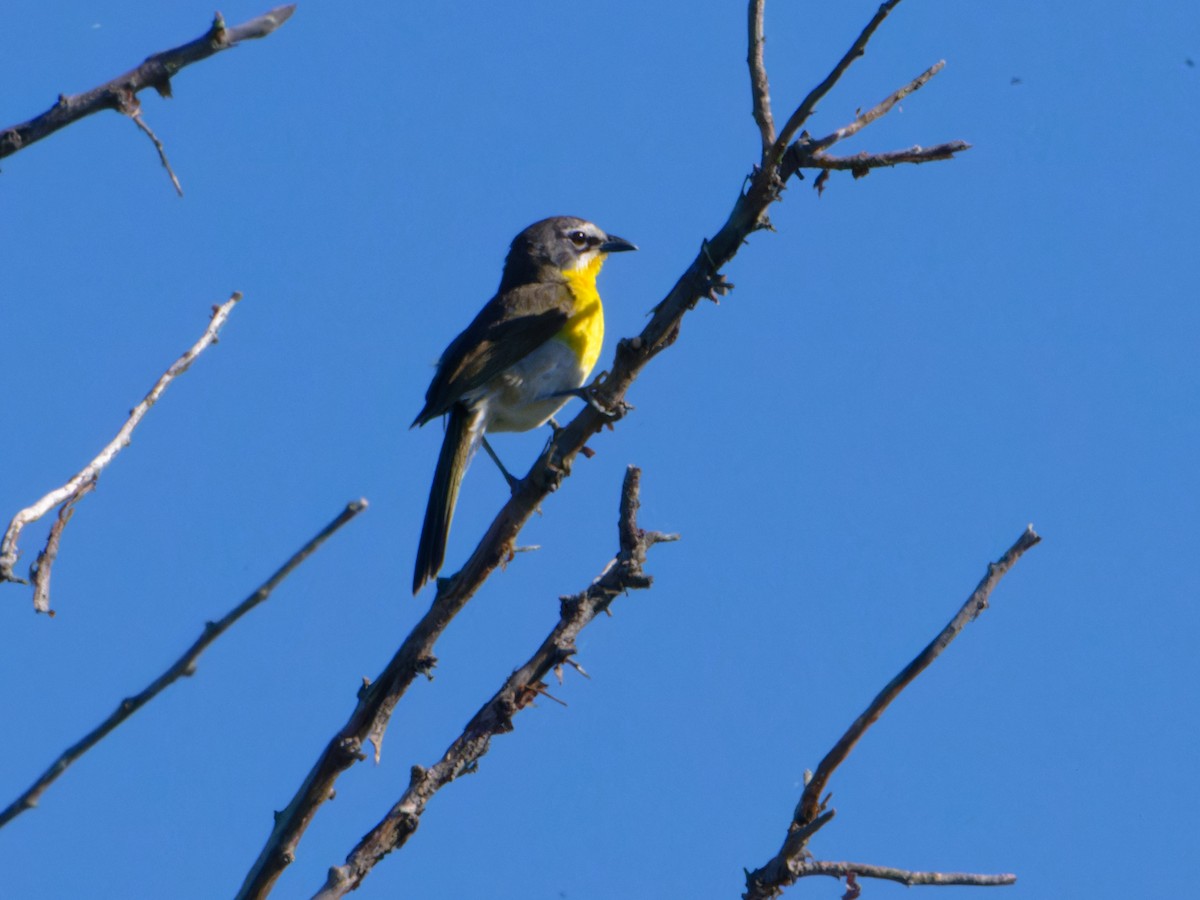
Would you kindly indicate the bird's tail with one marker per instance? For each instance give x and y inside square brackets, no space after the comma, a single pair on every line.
[462,434]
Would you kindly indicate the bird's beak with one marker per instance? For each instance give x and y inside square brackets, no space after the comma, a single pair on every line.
[614,244]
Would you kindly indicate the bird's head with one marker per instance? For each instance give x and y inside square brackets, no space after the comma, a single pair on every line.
[559,244]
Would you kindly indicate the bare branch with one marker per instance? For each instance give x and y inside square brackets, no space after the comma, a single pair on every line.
[903,876]
[368,722]
[809,154]
[156,72]
[810,802]
[185,665]
[39,572]
[377,700]
[87,477]
[878,111]
[788,864]
[162,153]
[760,88]
[808,106]
[861,163]
[623,573]
[858,164]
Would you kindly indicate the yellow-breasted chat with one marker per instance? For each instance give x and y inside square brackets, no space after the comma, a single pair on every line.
[531,347]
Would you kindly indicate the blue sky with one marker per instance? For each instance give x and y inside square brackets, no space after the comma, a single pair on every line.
[914,367]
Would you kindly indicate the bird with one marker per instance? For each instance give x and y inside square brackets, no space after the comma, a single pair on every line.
[529,349]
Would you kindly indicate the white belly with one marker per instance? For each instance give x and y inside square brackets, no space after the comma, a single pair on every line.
[526,394]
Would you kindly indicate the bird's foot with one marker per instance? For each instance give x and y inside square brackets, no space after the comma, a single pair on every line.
[589,396]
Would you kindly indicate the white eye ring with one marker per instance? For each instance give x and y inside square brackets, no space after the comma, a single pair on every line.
[578,238]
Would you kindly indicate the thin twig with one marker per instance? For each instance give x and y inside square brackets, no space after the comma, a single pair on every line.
[810,802]
[760,87]
[39,572]
[785,867]
[377,701]
[903,876]
[156,72]
[623,573]
[809,154]
[185,665]
[162,153]
[808,106]
[879,110]
[861,163]
[9,552]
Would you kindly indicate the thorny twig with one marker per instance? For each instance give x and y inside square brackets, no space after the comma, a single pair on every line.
[623,573]
[377,701]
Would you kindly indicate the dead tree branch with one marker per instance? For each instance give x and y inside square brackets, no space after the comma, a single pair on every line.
[861,163]
[809,104]
[623,573]
[39,572]
[789,864]
[760,87]
[911,879]
[702,279]
[85,480]
[810,802]
[879,110]
[156,72]
[136,115]
[185,665]
[806,153]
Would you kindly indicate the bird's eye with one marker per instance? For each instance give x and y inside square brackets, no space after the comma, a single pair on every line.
[578,238]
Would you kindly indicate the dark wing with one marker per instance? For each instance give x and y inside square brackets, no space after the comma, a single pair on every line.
[511,326]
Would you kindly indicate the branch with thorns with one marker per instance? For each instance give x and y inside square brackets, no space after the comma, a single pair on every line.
[702,279]
[622,574]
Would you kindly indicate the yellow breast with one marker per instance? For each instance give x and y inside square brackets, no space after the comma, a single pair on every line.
[584,331]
